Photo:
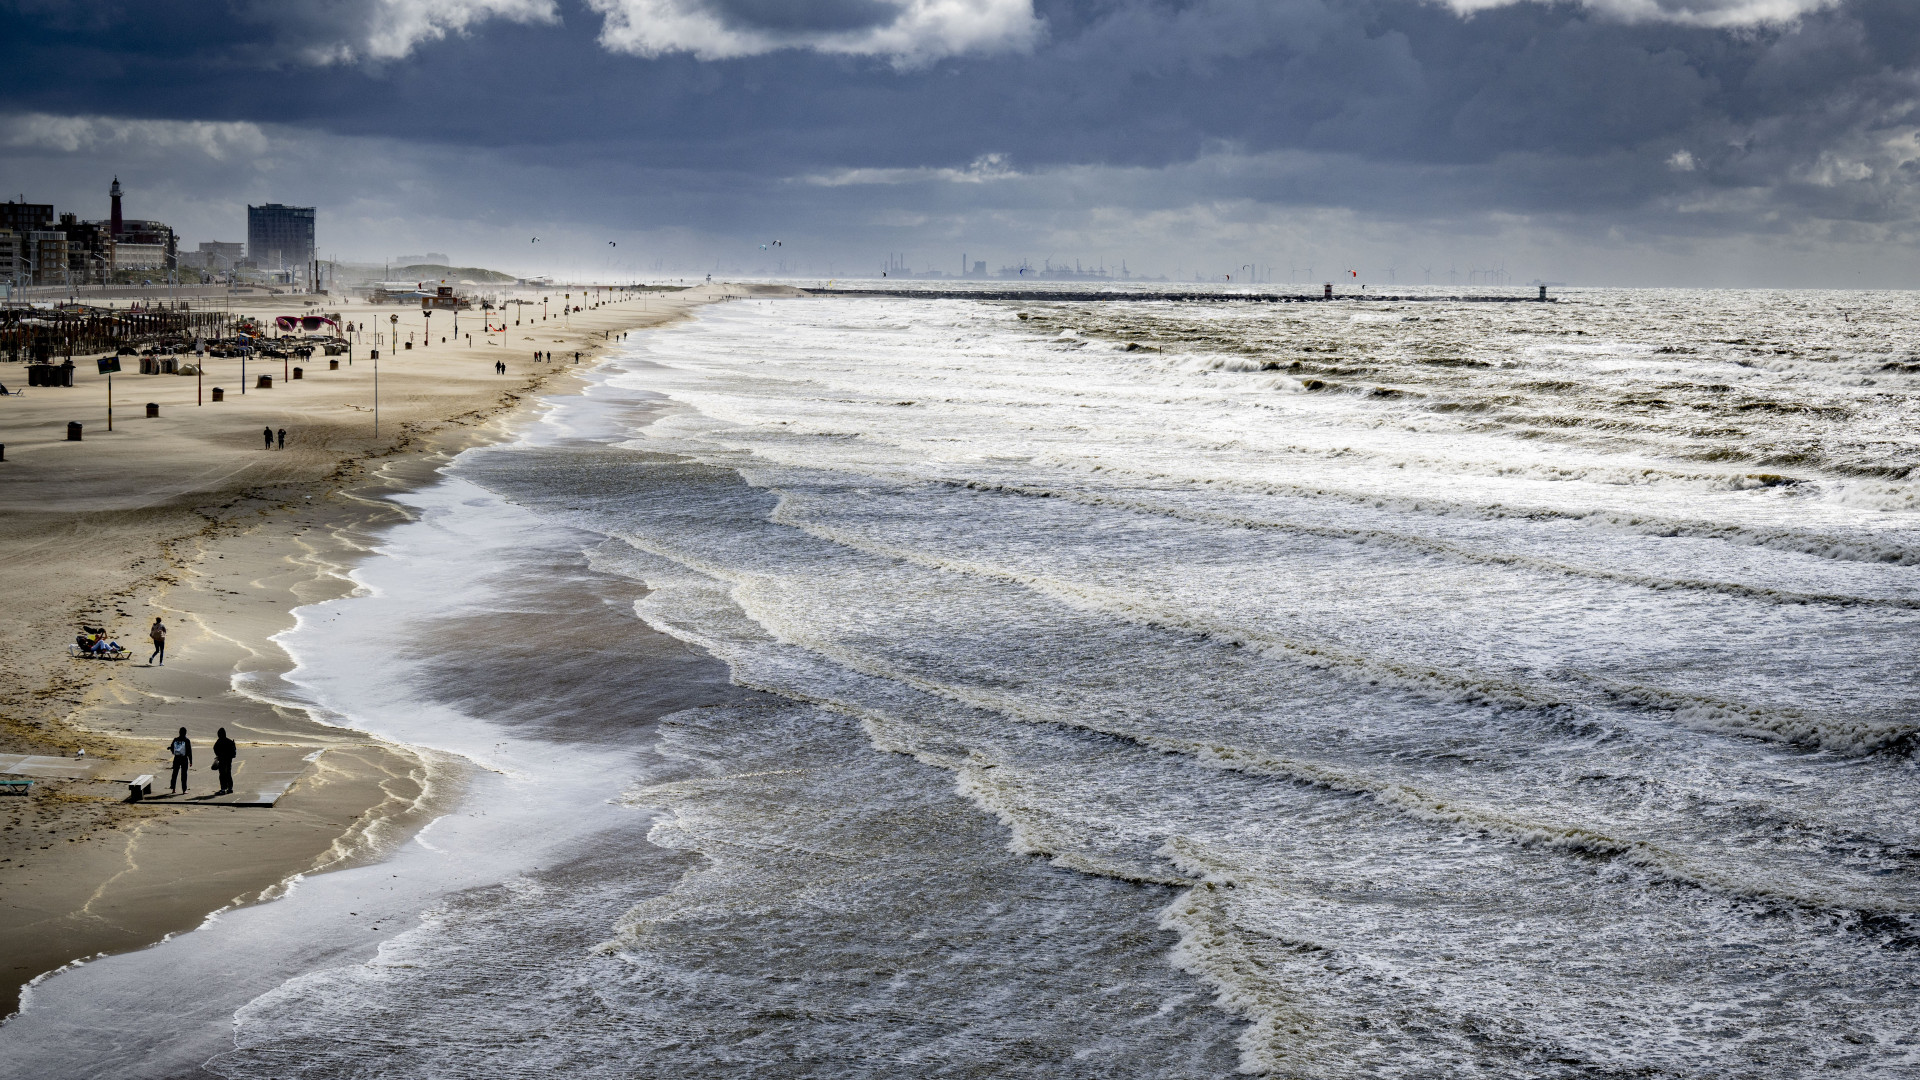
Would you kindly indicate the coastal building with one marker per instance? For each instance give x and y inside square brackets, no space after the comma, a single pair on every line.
[23,217]
[280,236]
[89,249]
[215,256]
[47,255]
[69,251]
[13,257]
[139,244]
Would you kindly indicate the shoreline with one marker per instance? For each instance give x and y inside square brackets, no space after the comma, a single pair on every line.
[224,561]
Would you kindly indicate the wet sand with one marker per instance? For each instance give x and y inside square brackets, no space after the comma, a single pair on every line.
[188,518]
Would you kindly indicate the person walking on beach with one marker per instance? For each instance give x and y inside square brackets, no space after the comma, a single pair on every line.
[158,632]
[182,761]
[267,433]
[223,754]
[283,438]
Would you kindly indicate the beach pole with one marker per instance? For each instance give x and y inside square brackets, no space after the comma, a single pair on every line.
[109,401]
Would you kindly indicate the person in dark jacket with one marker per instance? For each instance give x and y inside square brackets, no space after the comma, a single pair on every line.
[158,632]
[182,748]
[224,751]
[283,438]
[268,432]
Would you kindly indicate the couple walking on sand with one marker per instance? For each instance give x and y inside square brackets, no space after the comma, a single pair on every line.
[267,434]
[224,751]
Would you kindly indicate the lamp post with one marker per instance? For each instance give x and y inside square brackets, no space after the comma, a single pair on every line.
[395,320]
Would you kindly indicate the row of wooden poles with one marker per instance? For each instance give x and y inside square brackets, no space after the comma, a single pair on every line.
[39,336]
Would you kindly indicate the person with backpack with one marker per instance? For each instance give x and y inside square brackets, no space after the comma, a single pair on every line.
[224,751]
[182,748]
[158,632]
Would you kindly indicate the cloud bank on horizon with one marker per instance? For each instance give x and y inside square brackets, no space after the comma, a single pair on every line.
[1736,141]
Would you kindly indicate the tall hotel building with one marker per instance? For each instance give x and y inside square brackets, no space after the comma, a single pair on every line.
[279,237]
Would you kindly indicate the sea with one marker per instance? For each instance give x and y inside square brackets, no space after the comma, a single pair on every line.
[903,686]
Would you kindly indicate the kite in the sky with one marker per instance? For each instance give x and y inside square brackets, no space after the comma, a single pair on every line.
[536,239]
[612,244]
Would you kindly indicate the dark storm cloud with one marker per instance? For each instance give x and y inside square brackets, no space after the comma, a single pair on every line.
[1405,108]
[784,16]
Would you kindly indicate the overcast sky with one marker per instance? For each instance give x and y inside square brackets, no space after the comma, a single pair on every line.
[1658,142]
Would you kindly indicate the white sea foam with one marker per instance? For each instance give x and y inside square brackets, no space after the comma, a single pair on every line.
[1447,690]
[1522,697]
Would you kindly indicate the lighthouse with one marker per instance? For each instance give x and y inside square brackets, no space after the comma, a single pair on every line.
[115,226]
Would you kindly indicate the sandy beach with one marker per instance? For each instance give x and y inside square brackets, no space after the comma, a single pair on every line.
[186,517]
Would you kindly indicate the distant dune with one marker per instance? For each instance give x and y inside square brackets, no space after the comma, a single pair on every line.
[458,273]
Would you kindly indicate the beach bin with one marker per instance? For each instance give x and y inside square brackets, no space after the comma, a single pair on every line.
[375,354]
[265,383]
[219,394]
[333,365]
[73,431]
[299,374]
[409,344]
[149,366]
[153,409]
